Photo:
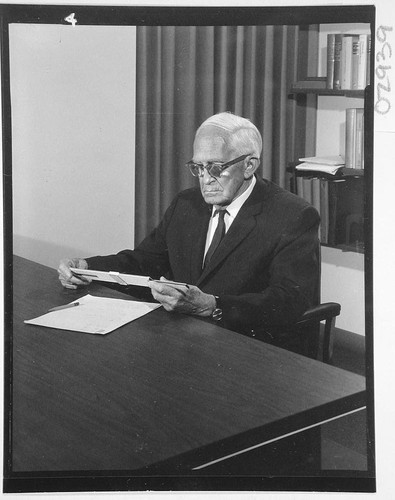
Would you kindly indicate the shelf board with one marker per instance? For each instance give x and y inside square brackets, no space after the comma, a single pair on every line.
[328,92]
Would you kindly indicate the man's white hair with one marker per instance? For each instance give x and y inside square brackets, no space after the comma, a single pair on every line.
[243,136]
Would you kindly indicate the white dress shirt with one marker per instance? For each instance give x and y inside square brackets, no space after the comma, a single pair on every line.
[232,210]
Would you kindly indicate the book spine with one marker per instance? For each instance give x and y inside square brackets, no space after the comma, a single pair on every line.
[299,187]
[363,39]
[368,55]
[359,138]
[346,62]
[355,62]
[324,213]
[337,62]
[332,213]
[349,160]
[307,190]
[330,60]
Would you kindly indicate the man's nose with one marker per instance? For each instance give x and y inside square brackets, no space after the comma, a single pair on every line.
[207,178]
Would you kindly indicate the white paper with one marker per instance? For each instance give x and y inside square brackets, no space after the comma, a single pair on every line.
[316,167]
[325,160]
[125,279]
[112,277]
[97,315]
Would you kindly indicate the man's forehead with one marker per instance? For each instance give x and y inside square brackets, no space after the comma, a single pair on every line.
[212,138]
[213,132]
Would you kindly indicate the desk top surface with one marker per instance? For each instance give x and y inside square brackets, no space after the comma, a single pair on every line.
[157,388]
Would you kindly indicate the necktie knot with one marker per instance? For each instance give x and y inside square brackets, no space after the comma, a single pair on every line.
[221,212]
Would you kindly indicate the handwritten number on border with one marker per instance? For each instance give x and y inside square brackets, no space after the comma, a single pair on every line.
[383,56]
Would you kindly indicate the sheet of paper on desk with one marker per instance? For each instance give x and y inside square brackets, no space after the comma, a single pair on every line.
[97,315]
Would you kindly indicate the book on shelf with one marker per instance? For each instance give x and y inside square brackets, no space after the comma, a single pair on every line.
[361,62]
[354,154]
[324,212]
[363,52]
[348,61]
[368,56]
[337,66]
[330,61]
[359,140]
[355,63]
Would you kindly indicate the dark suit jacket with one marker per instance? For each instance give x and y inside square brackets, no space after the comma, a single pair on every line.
[266,270]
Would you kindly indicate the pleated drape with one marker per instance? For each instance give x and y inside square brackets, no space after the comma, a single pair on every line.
[187,73]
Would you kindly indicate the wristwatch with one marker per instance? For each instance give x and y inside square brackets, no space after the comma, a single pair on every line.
[216,315]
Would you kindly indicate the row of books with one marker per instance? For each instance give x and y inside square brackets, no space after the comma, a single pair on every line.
[340,211]
[348,61]
[316,193]
[336,215]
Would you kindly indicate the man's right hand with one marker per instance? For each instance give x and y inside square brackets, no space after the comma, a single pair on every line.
[67,278]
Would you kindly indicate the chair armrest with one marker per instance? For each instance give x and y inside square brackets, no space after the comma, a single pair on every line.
[321,312]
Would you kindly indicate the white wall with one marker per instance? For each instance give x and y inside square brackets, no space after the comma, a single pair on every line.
[343,281]
[343,275]
[73,137]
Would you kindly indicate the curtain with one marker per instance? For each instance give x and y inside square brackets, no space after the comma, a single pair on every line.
[187,73]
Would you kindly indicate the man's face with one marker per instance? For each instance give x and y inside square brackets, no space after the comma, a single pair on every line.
[210,146]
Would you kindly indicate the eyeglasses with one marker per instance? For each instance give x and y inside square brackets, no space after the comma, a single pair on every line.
[213,168]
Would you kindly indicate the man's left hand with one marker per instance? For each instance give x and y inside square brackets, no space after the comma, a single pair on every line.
[189,300]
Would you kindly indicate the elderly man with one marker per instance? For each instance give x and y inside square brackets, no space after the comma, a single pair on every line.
[247,248]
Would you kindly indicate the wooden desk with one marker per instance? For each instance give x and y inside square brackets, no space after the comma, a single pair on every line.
[166,390]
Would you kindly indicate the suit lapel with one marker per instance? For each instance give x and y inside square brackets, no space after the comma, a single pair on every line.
[243,224]
[197,240]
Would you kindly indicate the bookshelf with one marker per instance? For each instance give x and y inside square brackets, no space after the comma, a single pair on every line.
[340,198]
[341,195]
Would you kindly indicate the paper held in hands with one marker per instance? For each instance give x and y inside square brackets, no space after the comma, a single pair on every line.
[122,279]
[97,315]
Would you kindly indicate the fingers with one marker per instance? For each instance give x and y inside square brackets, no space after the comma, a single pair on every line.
[163,289]
[67,284]
[66,276]
[189,300]
[169,296]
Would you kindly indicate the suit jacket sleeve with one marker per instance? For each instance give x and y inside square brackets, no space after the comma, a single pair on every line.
[293,279]
[150,258]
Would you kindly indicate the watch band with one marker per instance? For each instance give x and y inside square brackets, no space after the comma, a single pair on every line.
[216,315]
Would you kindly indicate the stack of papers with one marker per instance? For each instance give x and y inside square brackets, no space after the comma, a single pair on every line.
[97,315]
[327,164]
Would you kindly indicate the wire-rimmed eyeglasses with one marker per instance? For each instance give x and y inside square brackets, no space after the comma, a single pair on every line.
[213,168]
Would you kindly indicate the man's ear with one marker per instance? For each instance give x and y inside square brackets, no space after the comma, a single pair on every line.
[252,165]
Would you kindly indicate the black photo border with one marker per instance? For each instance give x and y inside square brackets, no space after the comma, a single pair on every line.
[178,16]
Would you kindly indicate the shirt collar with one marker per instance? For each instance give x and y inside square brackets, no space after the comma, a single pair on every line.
[234,207]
